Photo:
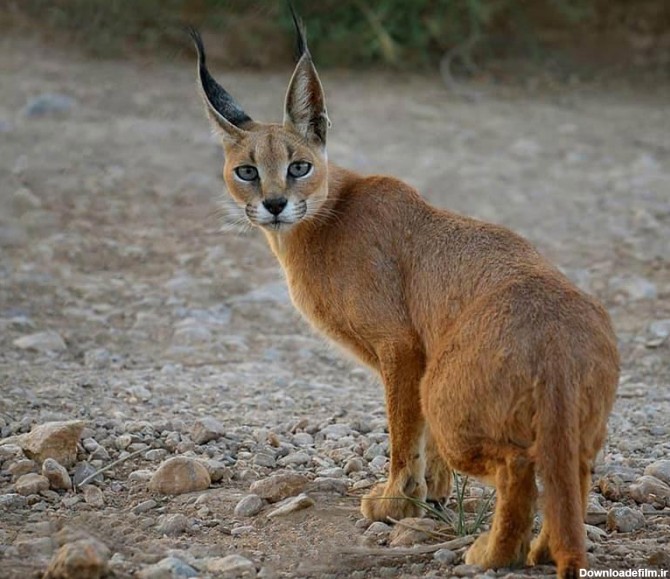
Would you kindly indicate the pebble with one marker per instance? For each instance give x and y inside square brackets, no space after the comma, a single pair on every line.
[279,486]
[659,469]
[335,431]
[83,471]
[217,470]
[295,459]
[97,359]
[329,485]
[168,568]
[31,484]
[291,505]
[57,475]
[42,342]
[57,440]
[231,567]
[93,496]
[466,570]
[84,558]
[172,525]
[141,475]
[378,529]
[249,506]
[445,556]
[265,460]
[49,103]
[649,489]
[145,506]
[180,475]
[634,287]
[596,514]
[155,454]
[34,547]
[353,465]
[206,429]
[595,533]
[624,520]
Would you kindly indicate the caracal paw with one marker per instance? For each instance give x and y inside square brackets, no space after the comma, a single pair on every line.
[539,552]
[384,503]
[484,554]
[438,480]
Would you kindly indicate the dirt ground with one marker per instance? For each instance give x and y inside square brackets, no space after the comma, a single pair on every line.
[110,236]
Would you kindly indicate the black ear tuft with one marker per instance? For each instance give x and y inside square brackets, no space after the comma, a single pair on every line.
[221,103]
[301,34]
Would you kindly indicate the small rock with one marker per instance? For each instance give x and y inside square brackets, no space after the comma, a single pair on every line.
[353,465]
[145,506]
[411,531]
[155,454]
[31,484]
[123,441]
[378,529]
[34,547]
[83,471]
[241,530]
[292,504]
[172,525]
[56,474]
[141,475]
[49,103]
[42,342]
[217,470]
[329,485]
[303,439]
[85,558]
[334,472]
[180,475]
[265,460]
[649,489]
[231,567]
[206,429]
[279,486]
[445,556]
[466,570]
[624,520]
[595,533]
[57,440]
[335,431]
[93,496]
[98,359]
[249,506]
[168,568]
[659,469]
[596,514]
[295,459]
[12,501]
[21,467]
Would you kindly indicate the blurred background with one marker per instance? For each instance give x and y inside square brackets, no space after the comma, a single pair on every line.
[566,36]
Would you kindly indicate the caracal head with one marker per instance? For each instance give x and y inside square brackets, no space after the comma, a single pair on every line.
[277,174]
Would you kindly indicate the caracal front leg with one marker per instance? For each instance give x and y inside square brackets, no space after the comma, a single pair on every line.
[401,369]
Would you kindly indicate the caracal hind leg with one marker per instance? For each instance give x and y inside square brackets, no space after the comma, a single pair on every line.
[507,543]
[438,473]
[540,553]
[401,369]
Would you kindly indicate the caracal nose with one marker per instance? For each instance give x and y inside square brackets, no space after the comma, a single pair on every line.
[275,205]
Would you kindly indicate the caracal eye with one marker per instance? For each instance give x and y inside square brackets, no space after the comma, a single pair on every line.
[247,172]
[299,169]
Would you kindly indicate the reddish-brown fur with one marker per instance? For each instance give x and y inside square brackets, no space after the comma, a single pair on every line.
[493,362]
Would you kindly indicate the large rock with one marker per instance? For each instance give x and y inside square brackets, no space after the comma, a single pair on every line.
[57,474]
[57,440]
[180,475]
[85,558]
[279,486]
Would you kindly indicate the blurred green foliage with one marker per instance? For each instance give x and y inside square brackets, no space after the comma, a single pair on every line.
[401,33]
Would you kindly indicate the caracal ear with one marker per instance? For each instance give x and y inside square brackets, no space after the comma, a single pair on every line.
[226,115]
[305,107]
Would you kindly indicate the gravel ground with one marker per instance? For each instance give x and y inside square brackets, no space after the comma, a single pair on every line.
[132,328]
